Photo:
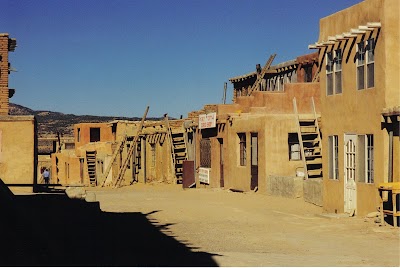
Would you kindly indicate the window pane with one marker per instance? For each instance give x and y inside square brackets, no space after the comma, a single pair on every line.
[329,84]
[330,157]
[338,82]
[360,77]
[361,158]
[338,60]
[242,148]
[294,147]
[371,50]
[329,62]
[360,54]
[254,149]
[336,157]
[370,158]
[370,75]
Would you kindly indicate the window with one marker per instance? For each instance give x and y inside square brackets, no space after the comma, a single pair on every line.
[329,73]
[370,63]
[294,147]
[79,135]
[254,149]
[242,148]
[338,71]
[94,134]
[334,72]
[205,153]
[366,158]
[153,155]
[333,161]
[366,64]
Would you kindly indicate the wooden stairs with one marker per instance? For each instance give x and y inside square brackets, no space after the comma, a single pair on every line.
[178,150]
[91,167]
[310,142]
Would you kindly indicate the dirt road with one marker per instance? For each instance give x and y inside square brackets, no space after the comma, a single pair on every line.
[253,229]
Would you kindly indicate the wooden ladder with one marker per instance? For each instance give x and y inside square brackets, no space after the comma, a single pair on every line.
[310,142]
[119,148]
[178,151]
[125,164]
[91,167]
[261,75]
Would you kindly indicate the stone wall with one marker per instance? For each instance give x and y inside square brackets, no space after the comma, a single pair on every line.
[312,191]
[285,186]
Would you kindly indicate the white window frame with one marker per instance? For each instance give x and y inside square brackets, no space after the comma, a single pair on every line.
[333,154]
[337,70]
[366,158]
[334,72]
[366,64]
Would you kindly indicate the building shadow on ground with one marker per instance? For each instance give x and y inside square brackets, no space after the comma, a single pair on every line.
[53,230]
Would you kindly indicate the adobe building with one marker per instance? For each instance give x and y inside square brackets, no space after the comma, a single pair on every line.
[72,165]
[360,103]
[106,154]
[254,143]
[18,156]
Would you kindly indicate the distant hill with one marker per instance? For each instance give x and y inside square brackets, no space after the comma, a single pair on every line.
[49,123]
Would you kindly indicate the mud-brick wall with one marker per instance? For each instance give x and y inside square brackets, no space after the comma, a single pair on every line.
[17,149]
[4,74]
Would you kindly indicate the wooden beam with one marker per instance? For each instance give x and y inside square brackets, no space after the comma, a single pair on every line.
[374,24]
[357,31]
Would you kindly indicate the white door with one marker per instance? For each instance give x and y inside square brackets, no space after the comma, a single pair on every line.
[350,192]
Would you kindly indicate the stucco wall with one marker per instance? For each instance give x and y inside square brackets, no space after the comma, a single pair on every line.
[273,149]
[359,111]
[84,137]
[18,158]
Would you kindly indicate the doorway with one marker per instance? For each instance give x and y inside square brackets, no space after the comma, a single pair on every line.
[221,163]
[254,161]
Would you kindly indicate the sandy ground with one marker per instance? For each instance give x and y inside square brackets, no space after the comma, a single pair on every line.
[253,229]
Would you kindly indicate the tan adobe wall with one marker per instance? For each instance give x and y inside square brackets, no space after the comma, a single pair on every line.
[273,154]
[158,161]
[105,133]
[305,61]
[387,53]
[359,111]
[278,102]
[17,149]
[66,169]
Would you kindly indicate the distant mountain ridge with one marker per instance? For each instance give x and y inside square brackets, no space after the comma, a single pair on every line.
[49,123]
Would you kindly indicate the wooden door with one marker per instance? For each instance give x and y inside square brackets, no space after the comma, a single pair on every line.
[221,162]
[254,161]
[350,158]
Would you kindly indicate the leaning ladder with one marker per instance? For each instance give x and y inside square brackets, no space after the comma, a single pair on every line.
[119,148]
[263,72]
[124,166]
[169,134]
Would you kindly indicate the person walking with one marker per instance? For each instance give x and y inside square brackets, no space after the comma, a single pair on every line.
[46,176]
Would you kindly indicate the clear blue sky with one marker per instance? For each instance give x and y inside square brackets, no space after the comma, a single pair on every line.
[115,57]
